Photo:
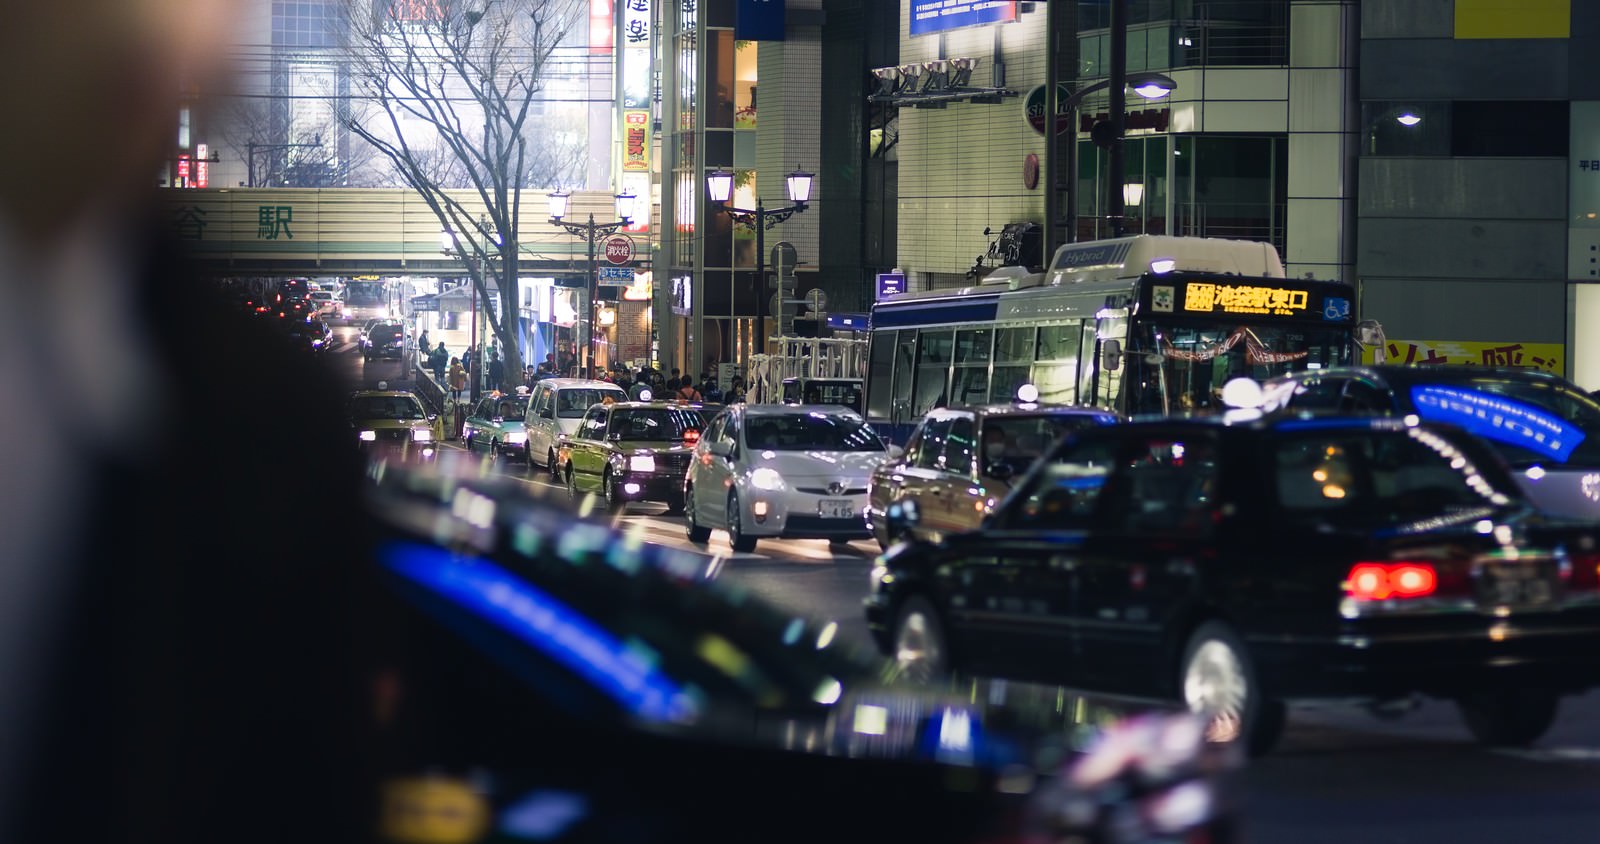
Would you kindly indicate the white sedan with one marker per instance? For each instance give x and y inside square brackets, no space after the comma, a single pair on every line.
[796,472]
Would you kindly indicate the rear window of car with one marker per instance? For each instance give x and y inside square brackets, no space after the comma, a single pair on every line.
[385,331]
[1376,478]
[808,431]
[661,424]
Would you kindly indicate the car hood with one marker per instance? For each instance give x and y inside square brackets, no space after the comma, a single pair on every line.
[1566,493]
[816,464]
[387,424]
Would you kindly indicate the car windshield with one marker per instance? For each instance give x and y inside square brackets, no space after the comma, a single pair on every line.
[810,431]
[1527,422]
[1370,479]
[511,410]
[386,407]
[655,424]
[573,402]
[1020,440]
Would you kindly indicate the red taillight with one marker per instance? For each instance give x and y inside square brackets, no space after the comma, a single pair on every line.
[691,437]
[1378,581]
[1585,571]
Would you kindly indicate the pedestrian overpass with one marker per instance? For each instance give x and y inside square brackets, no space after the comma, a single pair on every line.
[364,231]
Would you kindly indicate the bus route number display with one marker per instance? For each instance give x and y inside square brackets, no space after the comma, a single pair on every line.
[1207,297]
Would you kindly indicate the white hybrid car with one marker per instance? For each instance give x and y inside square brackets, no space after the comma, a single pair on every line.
[790,471]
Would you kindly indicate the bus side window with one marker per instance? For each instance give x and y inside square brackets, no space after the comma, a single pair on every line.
[881,375]
[934,347]
[905,350]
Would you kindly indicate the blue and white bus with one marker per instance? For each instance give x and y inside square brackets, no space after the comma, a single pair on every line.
[1143,324]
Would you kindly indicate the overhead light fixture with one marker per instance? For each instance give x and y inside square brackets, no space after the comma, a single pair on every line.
[719,183]
[961,71]
[1133,193]
[1151,86]
[558,203]
[888,79]
[1408,119]
[938,75]
[910,78]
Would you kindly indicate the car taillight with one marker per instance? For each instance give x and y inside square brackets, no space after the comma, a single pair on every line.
[1585,571]
[1373,581]
[691,437]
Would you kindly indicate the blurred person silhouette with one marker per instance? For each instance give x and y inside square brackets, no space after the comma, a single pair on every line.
[170,663]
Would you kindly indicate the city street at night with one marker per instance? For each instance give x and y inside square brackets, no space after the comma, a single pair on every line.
[1340,774]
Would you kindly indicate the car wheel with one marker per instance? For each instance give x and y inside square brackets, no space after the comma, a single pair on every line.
[697,534]
[551,467]
[919,648]
[741,543]
[1509,717]
[608,486]
[497,458]
[1218,679]
[572,484]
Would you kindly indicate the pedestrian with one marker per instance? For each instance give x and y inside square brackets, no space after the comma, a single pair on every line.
[437,361]
[712,392]
[549,367]
[148,693]
[422,342]
[466,361]
[735,393]
[497,370]
[687,392]
[457,379]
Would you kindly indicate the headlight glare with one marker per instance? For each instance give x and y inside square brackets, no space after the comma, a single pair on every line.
[642,463]
[369,436]
[421,436]
[517,437]
[765,478]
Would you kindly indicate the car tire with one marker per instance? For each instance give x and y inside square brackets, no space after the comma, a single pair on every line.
[1217,677]
[697,534]
[1509,717]
[572,484]
[497,458]
[608,488]
[918,644]
[675,507]
[550,465]
[736,537]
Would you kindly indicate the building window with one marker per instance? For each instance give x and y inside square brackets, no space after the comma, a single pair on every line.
[1231,186]
[1467,128]
[1166,34]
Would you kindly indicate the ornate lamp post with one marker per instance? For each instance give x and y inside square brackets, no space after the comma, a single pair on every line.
[593,231]
[719,183]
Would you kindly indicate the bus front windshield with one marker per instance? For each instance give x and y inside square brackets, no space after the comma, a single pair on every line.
[1181,368]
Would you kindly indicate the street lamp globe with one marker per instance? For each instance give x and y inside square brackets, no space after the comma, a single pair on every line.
[558,203]
[1151,86]
[719,183]
[799,183]
[1408,119]
[447,241]
[625,206]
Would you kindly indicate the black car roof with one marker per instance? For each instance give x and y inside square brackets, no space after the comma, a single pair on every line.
[1442,373]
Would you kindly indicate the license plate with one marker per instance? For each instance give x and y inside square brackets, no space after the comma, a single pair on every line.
[1504,584]
[836,508]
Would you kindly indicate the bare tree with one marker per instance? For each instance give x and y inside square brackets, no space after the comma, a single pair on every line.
[450,87]
[305,154]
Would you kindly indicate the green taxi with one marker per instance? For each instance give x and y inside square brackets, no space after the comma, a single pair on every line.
[633,451]
[392,421]
[495,426]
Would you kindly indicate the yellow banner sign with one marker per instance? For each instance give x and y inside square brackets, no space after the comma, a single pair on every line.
[636,141]
[1243,299]
[1550,357]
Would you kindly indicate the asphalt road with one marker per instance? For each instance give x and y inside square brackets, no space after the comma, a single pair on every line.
[1340,775]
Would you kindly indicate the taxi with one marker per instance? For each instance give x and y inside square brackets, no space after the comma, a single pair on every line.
[388,422]
[960,463]
[495,426]
[633,451]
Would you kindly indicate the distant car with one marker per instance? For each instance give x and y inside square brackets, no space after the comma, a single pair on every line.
[790,471]
[960,463]
[312,335]
[1546,427]
[1237,567]
[384,340]
[633,451]
[495,425]
[327,304]
[392,421]
[555,408]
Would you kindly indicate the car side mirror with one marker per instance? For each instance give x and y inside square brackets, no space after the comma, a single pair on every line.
[895,452]
[433,418]
[1000,471]
[1111,355]
[901,516]
[720,449]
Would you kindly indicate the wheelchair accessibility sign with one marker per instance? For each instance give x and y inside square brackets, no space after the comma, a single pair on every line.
[1335,308]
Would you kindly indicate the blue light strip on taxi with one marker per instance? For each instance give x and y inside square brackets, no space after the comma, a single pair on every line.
[1498,418]
[539,619]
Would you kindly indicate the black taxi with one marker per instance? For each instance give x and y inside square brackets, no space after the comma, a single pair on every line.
[633,451]
[1238,567]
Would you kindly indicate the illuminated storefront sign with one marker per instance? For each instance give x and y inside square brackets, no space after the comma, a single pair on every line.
[1207,297]
[1498,418]
[1545,356]
[930,16]
[636,141]
[599,26]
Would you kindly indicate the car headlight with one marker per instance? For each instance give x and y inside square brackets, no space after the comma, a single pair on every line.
[369,436]
[642,463]
[765,478]
[421,436]
[517,437]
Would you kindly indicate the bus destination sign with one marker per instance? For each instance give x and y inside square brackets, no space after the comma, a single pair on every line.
[1207,297]
[1250,296]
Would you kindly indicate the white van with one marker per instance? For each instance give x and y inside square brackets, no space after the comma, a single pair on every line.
[554,411]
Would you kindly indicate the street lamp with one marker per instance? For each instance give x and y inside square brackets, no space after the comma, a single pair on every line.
[593,232]
[719,183]
[1151,86]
